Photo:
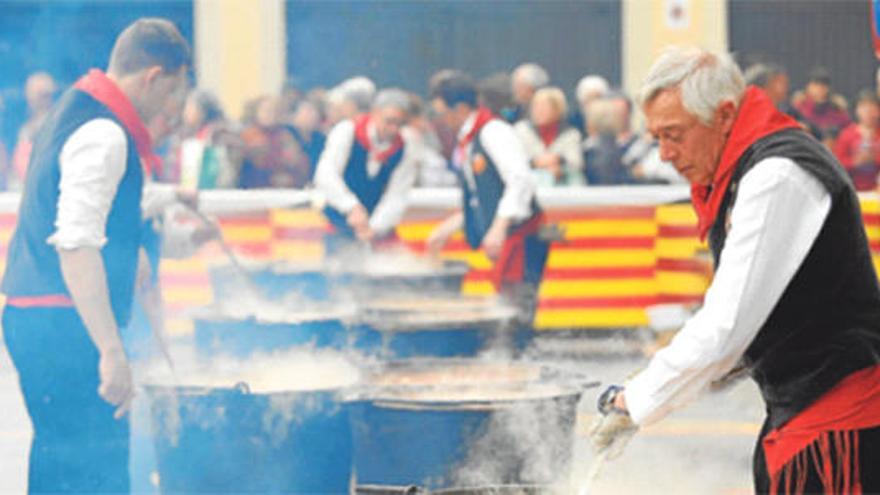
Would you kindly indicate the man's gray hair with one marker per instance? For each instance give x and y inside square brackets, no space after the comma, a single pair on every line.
[360,90]
[393,97]
[532,74]
[705,79]
[591,86]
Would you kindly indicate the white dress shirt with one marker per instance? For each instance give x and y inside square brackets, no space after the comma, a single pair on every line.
[779,212]
[506,151]
[92,163]
[331,168]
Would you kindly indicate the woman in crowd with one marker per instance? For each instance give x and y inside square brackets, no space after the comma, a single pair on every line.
[272,157]
[553,147]
[210,152]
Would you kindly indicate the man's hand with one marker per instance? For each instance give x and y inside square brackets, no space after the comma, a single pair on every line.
[358,219]
[441,234]
[116,383]
[493,242]
[189,197]
[206,231]
[612,430]
[365,234]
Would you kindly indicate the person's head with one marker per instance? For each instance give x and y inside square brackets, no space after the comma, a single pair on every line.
[357,94]
[868,108]
[690,99]
[308,114]
[548,106]
[819,85]
[525,80]
[590,88]
[621,109]
[390,112]
[453,97]
[494,93]
[201,108]
[268,111]
[149,61]
[39,90]
[771,78]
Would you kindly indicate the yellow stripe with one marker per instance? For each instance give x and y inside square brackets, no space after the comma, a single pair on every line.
[872,231]
[676,215]
[247,233]
[579,229]
[589,258]
[549,319]
[477,259]
[179,327]
[589,288]
[420,231]
[298,250]
[478,288]
[5,235]
[870,206]
[191,295]
[689,284]
[300,218]
[681,248]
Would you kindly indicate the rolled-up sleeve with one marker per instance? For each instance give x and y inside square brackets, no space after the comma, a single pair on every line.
[92,162]
[504,147]
[331,168]
[779,212]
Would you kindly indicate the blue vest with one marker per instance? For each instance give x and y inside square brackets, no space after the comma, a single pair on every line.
[33,266]
[482,197]
[368,190]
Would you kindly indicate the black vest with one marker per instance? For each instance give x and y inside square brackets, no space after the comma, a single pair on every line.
[826,325]
[482,197]
[33,266]
[368,190]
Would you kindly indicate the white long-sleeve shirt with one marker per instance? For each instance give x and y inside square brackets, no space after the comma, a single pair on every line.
[331,168]
[779,212]
[92,163]
[505,149]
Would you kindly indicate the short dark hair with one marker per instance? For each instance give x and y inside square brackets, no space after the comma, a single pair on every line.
[762,74]
[868,95]
[453,87]
[148,42]
[820,75]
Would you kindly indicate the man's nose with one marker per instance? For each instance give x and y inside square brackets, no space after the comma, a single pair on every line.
[668,152]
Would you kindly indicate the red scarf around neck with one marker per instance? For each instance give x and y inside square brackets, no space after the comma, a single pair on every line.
[548,133]
[362,135]
[100,87]
[484,115]
[757,118]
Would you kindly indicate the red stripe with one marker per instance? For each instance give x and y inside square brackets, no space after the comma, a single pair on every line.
[678,299]
[46,301]
[301,233]
[8,221]
[585,243]
[676,231]
[598,302]
[875,245]
[614,213]
[245,221]
[871,217]
[682,265]
[581,273]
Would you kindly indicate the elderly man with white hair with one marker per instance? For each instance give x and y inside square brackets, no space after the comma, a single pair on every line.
[366,171]
[524,81]
[795,301]
[589,89]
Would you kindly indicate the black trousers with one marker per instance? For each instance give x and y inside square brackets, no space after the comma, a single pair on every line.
[869,465]
[78,447]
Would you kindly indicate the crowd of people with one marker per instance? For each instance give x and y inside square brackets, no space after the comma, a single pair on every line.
[279,138]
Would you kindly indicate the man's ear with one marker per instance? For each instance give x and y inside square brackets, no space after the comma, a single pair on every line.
[726,115]
[152,73]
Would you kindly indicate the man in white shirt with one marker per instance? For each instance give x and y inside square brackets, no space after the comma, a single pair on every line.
[499,210]
[795,300]
[366,171]
[73,259]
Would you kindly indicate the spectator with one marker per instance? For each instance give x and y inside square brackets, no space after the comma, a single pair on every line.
[39,92]
[420,132]
[272,157]
[603,154]
[858,146]
[553,147]
[589,88]
[210,151]
[820,107]
[495,94]
[304,125]
[349,99]
[524,81]
[773,79]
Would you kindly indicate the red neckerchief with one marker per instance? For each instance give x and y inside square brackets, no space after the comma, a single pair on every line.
[826,435]
[484,115]
[360,132]
[757,118]
[100,87]
[548,132]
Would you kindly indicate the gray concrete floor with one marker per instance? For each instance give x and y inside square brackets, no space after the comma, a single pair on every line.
[705,449]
